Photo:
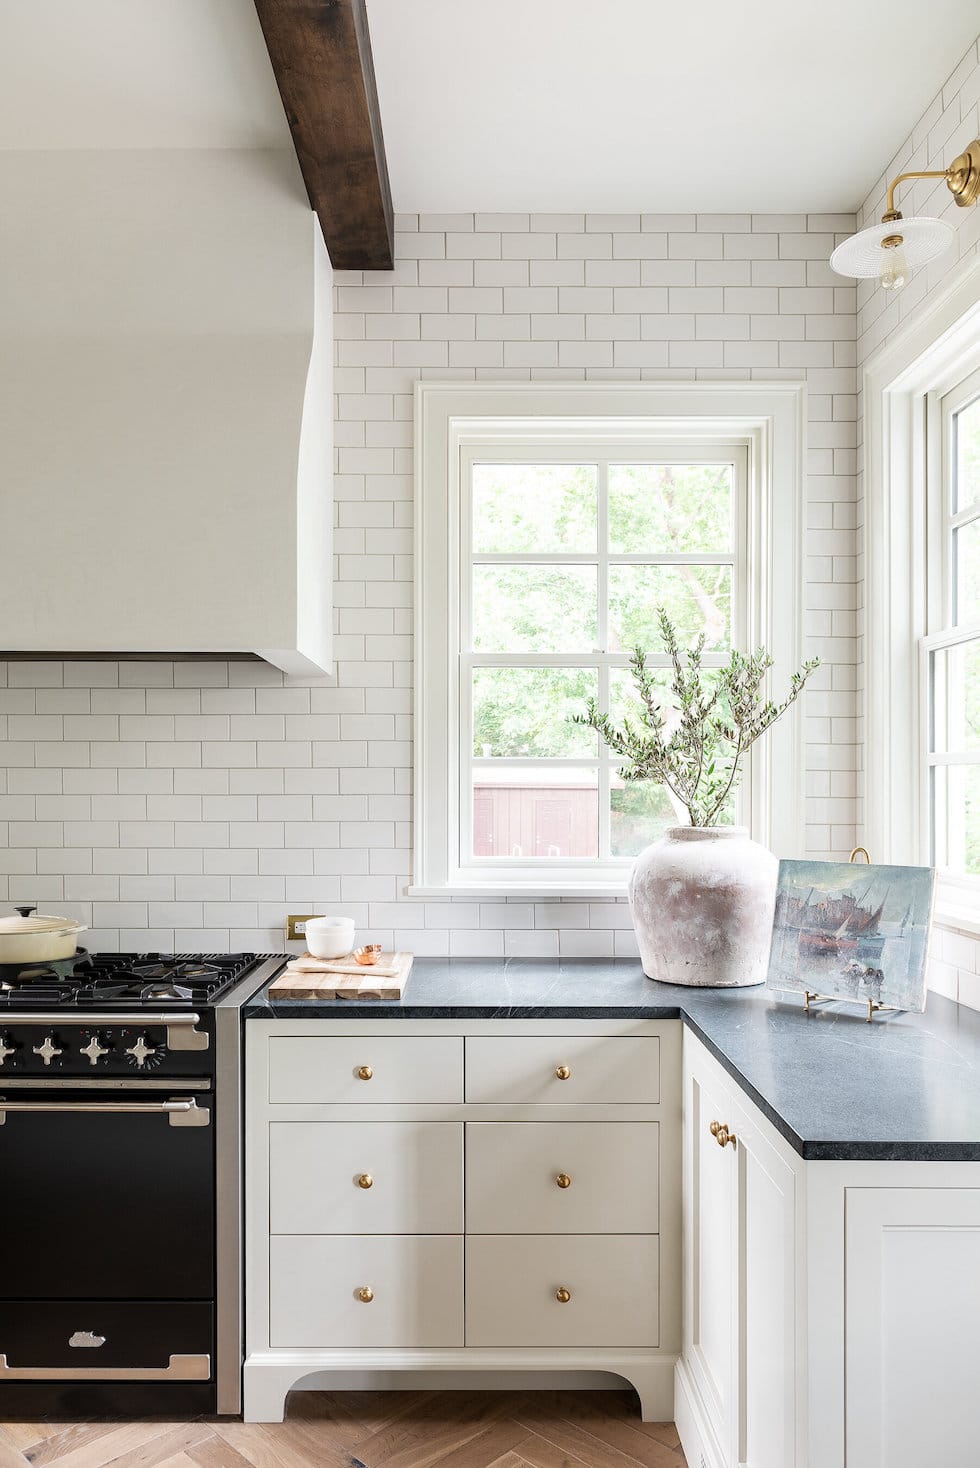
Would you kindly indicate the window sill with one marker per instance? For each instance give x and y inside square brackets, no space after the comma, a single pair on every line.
[583,890]
[961,919]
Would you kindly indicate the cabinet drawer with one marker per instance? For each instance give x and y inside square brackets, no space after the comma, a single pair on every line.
[415,1285]
[366,1177]
[617,1068]
[512,1287]
[573,1177]
[345,1068]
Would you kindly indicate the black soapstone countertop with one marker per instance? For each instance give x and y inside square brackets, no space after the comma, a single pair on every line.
[905,1087]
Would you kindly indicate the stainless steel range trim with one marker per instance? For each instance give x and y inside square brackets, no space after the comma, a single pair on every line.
[181,1113]
[181,1034]
[229,1147]
[181,1368]
[101,1083]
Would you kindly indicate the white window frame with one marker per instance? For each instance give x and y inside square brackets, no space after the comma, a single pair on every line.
[943,631]
[903,384]
[453,420]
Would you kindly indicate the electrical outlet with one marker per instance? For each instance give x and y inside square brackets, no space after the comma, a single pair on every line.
[296,925]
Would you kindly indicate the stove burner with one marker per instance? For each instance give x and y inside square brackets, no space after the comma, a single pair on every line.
[165,989]
[170,969]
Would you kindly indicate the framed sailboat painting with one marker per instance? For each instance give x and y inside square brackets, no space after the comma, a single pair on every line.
[852,932]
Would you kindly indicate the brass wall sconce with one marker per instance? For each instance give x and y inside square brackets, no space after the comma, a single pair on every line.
[890,251]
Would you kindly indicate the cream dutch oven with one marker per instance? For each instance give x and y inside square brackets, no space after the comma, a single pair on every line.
[29,936]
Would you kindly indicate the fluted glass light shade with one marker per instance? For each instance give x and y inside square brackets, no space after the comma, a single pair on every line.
[865,257]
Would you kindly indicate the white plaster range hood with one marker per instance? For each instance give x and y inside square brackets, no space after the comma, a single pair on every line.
[164,406]
[165,342]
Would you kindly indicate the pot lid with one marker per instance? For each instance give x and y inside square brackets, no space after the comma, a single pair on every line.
[24,922]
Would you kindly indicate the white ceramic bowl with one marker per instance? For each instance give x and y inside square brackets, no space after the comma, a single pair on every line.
[330,937]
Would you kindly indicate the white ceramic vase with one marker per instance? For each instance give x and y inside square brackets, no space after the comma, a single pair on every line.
[702,901]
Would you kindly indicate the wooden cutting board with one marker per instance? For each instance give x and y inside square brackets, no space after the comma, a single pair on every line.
[360,983]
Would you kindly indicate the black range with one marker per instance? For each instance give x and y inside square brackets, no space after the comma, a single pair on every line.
[120,1153]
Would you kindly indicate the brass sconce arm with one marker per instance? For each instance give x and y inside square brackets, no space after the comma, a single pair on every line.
[962,178]
[890,211]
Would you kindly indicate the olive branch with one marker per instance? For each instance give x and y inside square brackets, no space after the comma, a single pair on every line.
[721,714]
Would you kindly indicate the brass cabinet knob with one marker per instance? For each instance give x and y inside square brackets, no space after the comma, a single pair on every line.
[721,1134]
[365,1180]
[715,1128]
[563,1072]
[365,1294]
[563,1180]
[364,1072]
[562,1295]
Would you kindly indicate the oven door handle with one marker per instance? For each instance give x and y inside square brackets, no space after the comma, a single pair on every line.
[181,1368]
[180,1113]
[182,1033]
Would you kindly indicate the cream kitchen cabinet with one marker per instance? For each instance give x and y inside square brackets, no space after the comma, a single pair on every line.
[913,1327]
[492,1200]
[737,1382]
[831,1308]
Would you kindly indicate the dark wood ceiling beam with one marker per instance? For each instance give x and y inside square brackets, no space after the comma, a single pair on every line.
[321,55]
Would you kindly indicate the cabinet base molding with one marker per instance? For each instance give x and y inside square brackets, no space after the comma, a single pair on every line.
[270,1375]
[693,1423]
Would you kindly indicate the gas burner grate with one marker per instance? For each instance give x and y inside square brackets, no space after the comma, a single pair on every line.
[102,980]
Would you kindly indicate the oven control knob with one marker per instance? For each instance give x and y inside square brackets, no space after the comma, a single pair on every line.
[48,1050]
[141,1052]
[5,1049]
[94,1050]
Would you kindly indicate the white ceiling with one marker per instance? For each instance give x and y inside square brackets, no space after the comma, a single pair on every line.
[654,105]
[568,105]
[136,74]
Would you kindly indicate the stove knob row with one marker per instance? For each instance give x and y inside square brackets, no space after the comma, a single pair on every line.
[140,1054]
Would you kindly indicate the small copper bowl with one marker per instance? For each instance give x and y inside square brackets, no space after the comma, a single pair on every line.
[367,955]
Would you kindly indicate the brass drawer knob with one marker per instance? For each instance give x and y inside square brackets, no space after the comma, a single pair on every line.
[365,1294]
[365,1180]
[563,1295]
[364,1072]
[721,1134]
[563,1072]
[563,1180]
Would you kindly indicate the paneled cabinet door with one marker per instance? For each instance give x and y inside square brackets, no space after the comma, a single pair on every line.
[912,1327]
[765,1409]
[710,1217]
[739,1244]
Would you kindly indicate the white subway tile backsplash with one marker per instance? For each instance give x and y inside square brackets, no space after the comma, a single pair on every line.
[220,791]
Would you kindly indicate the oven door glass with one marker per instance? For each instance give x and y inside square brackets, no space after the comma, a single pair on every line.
[106,1197]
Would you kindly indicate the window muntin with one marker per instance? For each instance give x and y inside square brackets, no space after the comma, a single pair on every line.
[951,651]
[564,557]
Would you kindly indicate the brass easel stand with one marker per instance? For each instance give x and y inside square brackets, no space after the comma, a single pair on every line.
[833,998]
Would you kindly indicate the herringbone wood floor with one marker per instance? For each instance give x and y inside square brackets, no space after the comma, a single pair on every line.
[372,1430]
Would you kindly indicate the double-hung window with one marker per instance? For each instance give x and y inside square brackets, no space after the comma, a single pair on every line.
[568,552]
[951,650]
[552,522]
